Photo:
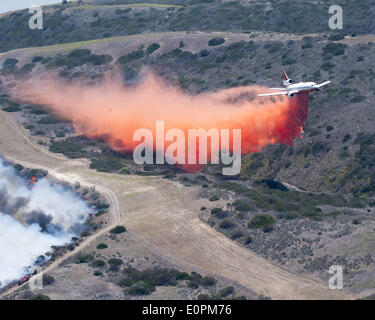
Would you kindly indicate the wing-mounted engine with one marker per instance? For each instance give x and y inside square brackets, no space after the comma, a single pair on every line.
[291,94]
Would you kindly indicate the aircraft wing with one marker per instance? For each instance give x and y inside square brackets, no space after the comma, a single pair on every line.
[323,84]
[273,94]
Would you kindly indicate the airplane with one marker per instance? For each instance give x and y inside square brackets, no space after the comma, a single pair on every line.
[292,89]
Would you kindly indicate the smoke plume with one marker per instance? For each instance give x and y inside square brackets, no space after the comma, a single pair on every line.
[115,111]
[31,221]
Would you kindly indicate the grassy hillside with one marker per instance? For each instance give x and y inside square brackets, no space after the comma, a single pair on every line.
[101,19]
[332,166]
[336,152]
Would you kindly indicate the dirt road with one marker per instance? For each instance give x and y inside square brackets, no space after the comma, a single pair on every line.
[164,215]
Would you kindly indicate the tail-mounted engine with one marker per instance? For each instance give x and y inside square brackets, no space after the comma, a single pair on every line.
[288,82]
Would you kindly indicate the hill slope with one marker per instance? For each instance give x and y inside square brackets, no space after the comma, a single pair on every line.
[326,215]
[101,19]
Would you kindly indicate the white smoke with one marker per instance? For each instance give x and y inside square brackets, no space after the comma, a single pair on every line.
[31,221]
[62,205]
[20,245]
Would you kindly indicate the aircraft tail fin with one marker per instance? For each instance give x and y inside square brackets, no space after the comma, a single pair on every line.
[285,75]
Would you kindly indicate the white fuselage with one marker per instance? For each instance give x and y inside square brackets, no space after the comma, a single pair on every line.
[301,86]
[291,89]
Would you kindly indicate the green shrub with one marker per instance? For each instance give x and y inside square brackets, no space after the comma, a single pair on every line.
[115,262]
[26,68]
[48,279]
[98,60]
[193,284]
[268,228]
[314,214]
[218,213]
[236,234]
[118,230]
[204,53]
[40,296]
[291,215]
[248,240]
[125,282]
[275,46]
[326,66]
[203,296]
[105,164]
[344,153]
[60,134]
[156,276]
[101,246]
[357,99]
[37,59]
[84,258]
[79,57]
[226,291]
[347,137]
[37,110]
[261,221]
[141,289]
[50,119]
[10,62]
[18,167]
[216,210]
[216,41]
[307,45]
[79,53]
[319,147]
[214,198]
[335,49]
[182,276]
[135,55]
[336,37]
[124,170]
[197,280]
[208,281]
[364,139]
[12,109]
[241,206]
[226,224]
[98,263]
[152,48]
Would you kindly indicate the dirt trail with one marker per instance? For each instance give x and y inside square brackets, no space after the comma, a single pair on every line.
[164,216]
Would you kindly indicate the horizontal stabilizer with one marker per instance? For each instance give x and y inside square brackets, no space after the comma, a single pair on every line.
[323,84]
